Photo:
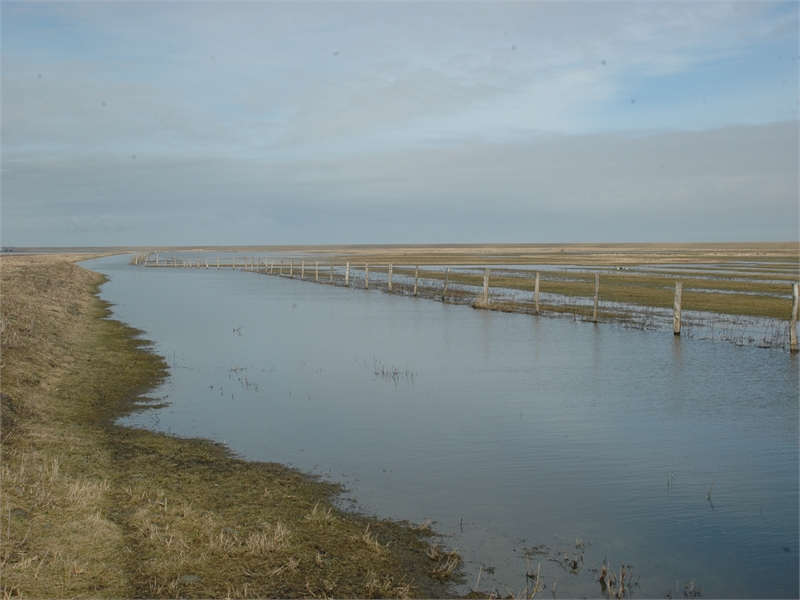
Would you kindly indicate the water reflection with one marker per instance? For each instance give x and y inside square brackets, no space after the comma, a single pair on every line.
[516,433]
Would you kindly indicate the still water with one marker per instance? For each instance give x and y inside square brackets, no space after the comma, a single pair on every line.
[518,436]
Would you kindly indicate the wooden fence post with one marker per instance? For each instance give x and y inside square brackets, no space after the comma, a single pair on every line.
[793,320]
[281,271]
[596,296]
[390,277]
[486,287]
[366,276]
[676,309]
[347,274]
[446,279]
[291,267]
[206,263]
[536,293]
[316,270]
[331,272]
[302,269]
[416,279]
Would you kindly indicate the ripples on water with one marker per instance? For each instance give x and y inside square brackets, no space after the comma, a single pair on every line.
[517,435]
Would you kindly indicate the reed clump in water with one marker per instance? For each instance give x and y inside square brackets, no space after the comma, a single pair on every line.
[89,508]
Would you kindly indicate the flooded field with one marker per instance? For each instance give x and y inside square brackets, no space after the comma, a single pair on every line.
[541,448]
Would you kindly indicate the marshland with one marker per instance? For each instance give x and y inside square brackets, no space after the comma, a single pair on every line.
[527,455]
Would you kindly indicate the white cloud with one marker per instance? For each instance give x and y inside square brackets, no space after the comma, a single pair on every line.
[613,187]
[348,110]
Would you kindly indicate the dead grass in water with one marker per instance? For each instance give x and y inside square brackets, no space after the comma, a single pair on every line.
[91,509]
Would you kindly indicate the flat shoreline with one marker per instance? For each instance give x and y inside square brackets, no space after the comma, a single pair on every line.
[90,508]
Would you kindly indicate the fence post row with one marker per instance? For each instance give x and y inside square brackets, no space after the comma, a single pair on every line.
[254,264]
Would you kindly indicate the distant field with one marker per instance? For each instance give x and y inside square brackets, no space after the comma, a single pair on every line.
[577,254]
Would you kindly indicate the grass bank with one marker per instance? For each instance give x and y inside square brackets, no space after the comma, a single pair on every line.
[88,508]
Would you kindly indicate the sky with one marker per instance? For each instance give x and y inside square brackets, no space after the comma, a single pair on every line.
[254,123]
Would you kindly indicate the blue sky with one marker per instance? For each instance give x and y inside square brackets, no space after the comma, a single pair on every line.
[200,123]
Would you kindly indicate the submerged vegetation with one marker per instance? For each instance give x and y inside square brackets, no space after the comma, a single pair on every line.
[89,508]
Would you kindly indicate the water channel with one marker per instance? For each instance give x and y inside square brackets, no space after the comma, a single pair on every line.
[520,437]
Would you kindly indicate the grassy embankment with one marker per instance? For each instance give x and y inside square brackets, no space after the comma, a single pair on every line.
[88,508]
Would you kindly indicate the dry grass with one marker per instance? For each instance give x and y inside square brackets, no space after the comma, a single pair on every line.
[57,537]
[95,510]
